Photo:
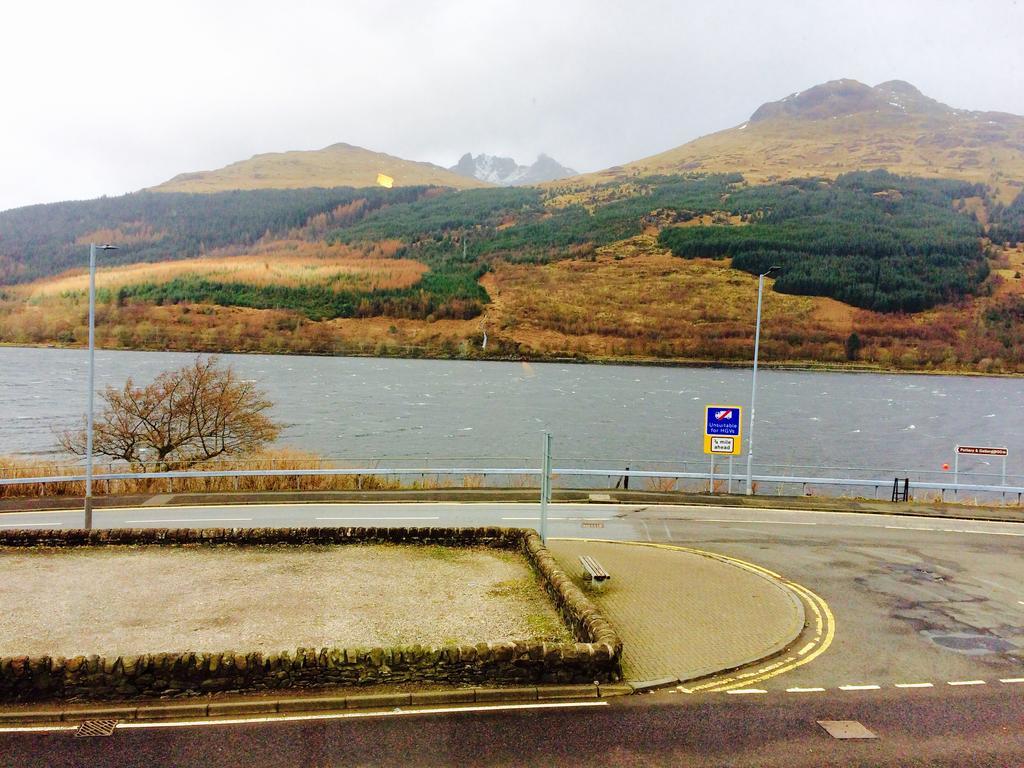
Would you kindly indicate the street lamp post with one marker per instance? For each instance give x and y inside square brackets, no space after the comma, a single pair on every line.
[87,524]
[753,386]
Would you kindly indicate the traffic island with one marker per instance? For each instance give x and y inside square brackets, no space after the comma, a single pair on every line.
[684,614]
[588,650]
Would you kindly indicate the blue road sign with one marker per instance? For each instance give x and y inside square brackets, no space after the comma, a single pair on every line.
[722,421]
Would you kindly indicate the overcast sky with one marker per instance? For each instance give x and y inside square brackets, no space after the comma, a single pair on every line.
[106,97]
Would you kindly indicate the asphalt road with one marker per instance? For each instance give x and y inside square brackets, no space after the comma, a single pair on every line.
[958,728]
[929,620]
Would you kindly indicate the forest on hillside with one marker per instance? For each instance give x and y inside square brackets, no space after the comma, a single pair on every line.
[873,240]
[41,240]
[1007,224]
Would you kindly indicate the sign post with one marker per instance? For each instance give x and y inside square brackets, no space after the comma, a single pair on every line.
[545,487]
[977,450]
[723,435]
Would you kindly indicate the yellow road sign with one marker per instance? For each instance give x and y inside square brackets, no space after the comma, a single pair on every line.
[723,430]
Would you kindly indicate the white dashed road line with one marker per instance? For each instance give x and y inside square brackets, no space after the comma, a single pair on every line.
[197,520]
[860,687]
[378,518]
[757,522]
[528,519]
[32,525]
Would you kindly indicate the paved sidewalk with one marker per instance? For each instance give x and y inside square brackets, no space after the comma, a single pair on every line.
[682,614]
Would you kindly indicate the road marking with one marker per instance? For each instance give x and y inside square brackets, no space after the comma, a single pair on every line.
[377,518]
[32,525]
[824,621]
[804,690]
[758,522]
[902,527]
[965,682]
[914,685]
[326,716]
[745,691]
[197,520]
[859,687]
[668,533]
[38,728]
[805,649]
[526,518]
[1011,680]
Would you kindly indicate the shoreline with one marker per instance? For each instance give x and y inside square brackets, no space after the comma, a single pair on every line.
[796,366]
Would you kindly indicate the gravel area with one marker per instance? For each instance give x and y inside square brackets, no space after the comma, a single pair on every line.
[133,600]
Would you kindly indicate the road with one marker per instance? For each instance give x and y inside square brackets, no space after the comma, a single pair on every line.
[965,727]
[929,615]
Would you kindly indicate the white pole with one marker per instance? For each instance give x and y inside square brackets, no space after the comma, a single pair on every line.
[87,524]
[956,466]
[711,481]
[545,488]
[753,391]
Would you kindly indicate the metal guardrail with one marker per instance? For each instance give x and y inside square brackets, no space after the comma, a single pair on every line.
[723,476]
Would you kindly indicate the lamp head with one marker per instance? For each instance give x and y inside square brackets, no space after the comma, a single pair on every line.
[109,247]
[770,270]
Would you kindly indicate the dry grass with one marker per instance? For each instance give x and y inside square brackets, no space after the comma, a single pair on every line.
[293,264]
[339,165]
[284,459]
[962,148]
[129,233]
[634,300]
[662,484]
[627,300]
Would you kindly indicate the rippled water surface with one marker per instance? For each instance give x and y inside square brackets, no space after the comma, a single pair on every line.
[432,409]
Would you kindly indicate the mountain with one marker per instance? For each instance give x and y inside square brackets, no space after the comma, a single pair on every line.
[845,125]
[339,165]
[506,172]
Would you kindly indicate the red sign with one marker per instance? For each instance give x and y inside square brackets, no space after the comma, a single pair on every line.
[976,450]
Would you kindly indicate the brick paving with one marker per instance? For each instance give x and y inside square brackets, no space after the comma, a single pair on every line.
[681,614]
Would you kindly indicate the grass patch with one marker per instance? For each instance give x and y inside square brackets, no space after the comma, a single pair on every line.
[444,554]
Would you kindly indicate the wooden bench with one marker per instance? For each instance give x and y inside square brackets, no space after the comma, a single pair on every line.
[595,571]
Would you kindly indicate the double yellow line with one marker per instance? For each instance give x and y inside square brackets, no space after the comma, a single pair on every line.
[823,631]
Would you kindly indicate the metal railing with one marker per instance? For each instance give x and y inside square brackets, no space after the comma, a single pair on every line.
[721,481]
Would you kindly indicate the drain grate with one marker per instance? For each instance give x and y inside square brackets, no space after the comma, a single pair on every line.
[97,728]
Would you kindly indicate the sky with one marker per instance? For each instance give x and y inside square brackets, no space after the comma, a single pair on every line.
[107,97]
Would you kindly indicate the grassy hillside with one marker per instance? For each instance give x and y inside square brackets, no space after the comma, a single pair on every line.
[628,301]
[339,165]
[652,261]
[846,126]
[41,240]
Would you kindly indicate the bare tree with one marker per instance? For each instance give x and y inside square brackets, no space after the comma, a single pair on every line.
[183,418]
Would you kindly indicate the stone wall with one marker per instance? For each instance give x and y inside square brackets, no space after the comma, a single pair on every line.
[595,657]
